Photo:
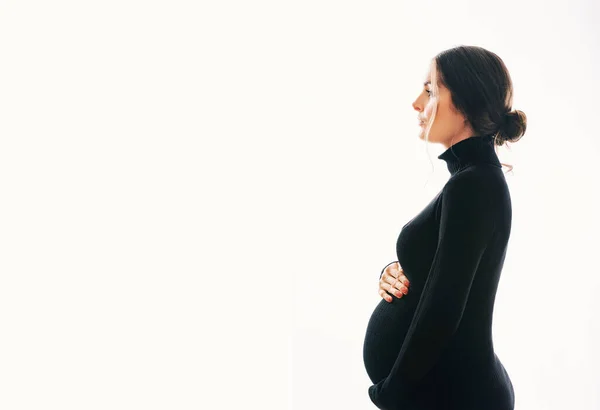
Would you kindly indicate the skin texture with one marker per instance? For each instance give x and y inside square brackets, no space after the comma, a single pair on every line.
[393,281]
[449,127]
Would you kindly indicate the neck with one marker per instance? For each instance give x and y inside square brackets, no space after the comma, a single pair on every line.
[470,151]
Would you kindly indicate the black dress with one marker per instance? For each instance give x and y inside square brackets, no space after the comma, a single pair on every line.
[432,349]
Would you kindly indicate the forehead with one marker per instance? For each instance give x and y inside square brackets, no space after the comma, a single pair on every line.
[427,78]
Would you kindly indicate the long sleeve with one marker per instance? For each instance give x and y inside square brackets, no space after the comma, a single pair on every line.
[466,226]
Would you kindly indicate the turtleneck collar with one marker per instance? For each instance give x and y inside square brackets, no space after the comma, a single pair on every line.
[470,151]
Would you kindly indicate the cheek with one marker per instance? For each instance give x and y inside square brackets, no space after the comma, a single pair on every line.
[429,109]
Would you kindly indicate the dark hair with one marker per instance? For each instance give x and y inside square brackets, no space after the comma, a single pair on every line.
[482,91]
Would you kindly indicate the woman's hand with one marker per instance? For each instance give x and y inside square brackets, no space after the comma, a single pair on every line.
[393,282]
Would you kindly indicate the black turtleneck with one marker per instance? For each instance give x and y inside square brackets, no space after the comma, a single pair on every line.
[433,348]
[470,151]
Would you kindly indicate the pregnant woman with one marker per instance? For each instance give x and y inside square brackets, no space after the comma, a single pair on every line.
[428,344]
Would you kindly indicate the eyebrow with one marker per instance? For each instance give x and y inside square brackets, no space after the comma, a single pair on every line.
[426,82]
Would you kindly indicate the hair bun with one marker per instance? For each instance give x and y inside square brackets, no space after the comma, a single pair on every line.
[514,126]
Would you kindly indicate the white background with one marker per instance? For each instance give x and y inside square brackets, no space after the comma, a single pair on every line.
[196,198]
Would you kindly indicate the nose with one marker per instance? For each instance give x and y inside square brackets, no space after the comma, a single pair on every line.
[416,107]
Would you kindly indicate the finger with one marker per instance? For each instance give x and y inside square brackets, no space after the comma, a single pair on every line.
[387,277]
[387,273]
[396,285]
[395,278]
[383,287]
[384,295]
[392,285]
[393,269]
[401,277]
[390,274]
[398,292]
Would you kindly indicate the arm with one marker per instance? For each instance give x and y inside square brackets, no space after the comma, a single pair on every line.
[466,226]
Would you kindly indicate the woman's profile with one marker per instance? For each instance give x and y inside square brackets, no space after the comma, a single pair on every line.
[428,344]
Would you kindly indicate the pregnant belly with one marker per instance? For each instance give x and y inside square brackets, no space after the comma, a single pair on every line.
[385,333]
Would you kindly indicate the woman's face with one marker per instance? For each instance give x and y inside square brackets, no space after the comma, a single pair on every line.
[449,126]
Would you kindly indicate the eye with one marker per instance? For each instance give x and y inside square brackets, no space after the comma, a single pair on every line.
[428,92]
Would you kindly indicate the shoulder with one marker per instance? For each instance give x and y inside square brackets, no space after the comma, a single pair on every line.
[469,199]
[478,190]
